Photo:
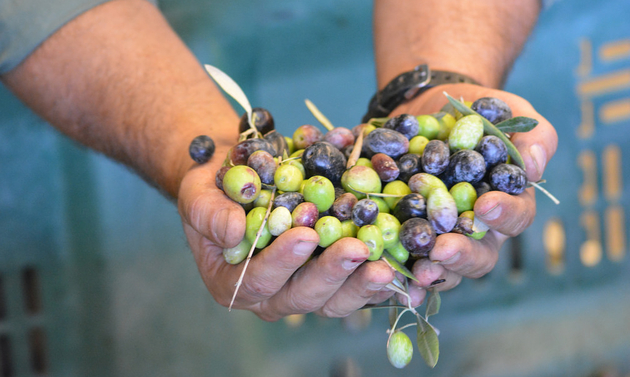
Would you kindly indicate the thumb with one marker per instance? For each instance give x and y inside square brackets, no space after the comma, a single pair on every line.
[209,211]
[536,146]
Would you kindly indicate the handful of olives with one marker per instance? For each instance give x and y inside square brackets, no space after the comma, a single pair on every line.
[410,179]
[394,183]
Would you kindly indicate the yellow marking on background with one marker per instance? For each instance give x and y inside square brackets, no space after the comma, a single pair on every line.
[554,239]
[591,249]
[612,172]
[615,111]
[588,192]
[587,127]
[295,320]
[615,233]
[586,58]
[615,50]
[605,84]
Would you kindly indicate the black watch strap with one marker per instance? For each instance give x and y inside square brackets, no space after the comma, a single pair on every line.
[409,85]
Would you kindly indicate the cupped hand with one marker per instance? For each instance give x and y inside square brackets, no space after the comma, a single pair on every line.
[455,256]
[283,278]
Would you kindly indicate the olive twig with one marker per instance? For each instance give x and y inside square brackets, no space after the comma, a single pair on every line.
[393,329]
[356,151]
[539,187]
[407,325]
[377,194]
[239,282]
[318,115]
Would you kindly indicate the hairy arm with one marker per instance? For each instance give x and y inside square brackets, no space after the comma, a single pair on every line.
[120,81]
[477,38]
[480,39]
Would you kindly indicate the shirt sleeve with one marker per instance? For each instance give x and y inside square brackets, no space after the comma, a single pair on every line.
[25,24]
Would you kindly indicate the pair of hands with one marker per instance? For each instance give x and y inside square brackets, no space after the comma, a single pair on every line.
[340,281]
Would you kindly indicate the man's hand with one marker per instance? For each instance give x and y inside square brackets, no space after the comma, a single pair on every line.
[455,256]
[282,279]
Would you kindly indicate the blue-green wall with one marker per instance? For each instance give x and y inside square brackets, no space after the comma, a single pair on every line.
[119,289]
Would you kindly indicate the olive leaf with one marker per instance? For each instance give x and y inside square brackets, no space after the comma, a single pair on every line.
[232,88]
[393,262]
[517,124]
[378,122]
[428,343]
[490,129]
[433,303]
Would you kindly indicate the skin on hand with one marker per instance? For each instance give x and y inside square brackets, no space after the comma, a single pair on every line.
[150,98]
[120,113]
[454,255]
[282,279]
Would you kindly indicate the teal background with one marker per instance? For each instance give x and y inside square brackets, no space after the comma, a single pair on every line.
[118,289]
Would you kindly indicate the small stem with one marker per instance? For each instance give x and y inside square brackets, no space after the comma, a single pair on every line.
[356,151]
[252,124]
[251,251]
[393,329]
[408,325]
[377,194]
[539,187]
[318,114]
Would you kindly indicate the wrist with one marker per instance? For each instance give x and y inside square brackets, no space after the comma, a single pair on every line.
[409,85]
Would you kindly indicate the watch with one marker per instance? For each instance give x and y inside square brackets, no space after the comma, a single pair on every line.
[409,85]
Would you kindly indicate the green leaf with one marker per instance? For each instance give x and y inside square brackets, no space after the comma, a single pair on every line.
[433,303]
[517,124]
[378,122]
[490,129]
[393,262]
[428,343]
[230,87]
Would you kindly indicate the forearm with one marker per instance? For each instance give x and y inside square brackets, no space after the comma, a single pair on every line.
[477,38]
[119,80]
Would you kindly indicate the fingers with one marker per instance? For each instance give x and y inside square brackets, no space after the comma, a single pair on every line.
[505,213]
[208,211]
[270,269]
[536,146]
[416,293]
[315,283]
[461,255]
[363,286]
[433,275]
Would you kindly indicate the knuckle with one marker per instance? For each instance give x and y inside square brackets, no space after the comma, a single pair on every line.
[257,290]
[300,304]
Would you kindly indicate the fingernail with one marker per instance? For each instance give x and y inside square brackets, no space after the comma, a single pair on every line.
[539,157]
[436,282]
[220,223]
[452,259]
[372,286]
[351,264]
[491,214]
[304,248]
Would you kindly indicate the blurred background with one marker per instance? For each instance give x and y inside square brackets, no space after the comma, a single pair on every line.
[96,278]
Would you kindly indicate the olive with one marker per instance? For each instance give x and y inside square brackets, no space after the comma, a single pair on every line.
[324,159]
[263,121]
